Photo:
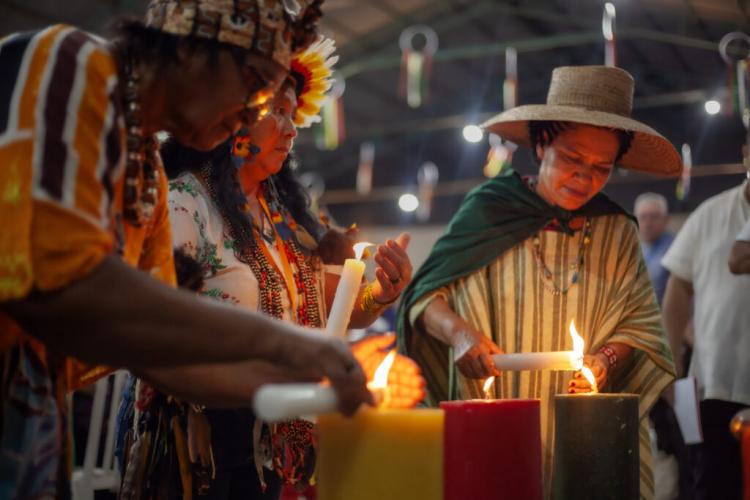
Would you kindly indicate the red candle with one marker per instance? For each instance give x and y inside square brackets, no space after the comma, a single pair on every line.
[493,449]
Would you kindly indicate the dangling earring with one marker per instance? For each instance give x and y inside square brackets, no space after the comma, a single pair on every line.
[243,153]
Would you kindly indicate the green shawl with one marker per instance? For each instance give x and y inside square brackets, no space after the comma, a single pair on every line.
[494,217]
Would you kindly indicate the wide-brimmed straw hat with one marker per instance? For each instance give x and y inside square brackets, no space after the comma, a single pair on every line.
[594,95]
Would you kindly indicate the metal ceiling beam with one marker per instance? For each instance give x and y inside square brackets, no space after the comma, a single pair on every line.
[530,45]
[459,120]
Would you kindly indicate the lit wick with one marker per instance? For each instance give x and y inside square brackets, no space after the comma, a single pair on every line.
[590,377]
[379,383]
[487,386]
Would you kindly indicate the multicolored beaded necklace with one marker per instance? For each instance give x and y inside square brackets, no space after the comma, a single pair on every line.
[546,276]
[291,441]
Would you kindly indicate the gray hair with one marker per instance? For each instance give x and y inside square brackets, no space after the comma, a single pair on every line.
[652,197]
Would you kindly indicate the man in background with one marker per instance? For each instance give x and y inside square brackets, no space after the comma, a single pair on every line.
[652,213]
[699,275]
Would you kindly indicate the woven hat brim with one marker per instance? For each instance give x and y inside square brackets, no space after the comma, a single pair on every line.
[649,151]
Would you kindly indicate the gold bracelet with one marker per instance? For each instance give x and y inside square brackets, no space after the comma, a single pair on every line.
[369,304]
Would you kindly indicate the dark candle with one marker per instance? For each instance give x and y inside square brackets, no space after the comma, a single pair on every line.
[596,447]
[492,450]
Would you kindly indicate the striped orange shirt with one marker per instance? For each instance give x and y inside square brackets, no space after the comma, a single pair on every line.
[62,157]
[62,148]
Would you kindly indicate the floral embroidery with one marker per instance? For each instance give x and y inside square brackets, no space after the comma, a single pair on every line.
[219,294]
[207,251]
[184,187]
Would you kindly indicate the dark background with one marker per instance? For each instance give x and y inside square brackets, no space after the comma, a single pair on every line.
[669,46]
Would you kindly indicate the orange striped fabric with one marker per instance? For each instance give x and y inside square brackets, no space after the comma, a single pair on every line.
[58,134]
[62,144]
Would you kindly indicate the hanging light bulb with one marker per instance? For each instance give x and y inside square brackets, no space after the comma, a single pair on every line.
[408,202]
[472,133]
[712,107]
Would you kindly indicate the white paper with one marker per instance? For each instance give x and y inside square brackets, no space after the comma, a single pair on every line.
[687,411]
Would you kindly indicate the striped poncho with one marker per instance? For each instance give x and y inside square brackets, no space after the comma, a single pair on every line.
[612,301]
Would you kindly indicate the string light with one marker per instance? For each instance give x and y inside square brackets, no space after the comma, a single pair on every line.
[712,107]
[472,133]
[408,202]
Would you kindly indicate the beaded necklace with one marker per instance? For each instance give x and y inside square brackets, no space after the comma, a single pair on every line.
[546,276]
[142,161]
[298,280]
[291,441]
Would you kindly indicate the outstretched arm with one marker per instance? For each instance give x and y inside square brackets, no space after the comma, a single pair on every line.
[122,317]
[472,349]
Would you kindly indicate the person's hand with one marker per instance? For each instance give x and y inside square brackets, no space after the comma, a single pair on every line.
[332,359]
[394,269]
[405,382]
[599,367]
[473,352]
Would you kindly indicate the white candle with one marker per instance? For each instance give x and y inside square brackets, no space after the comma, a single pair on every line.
[274,402]
[347,292]
[556,360]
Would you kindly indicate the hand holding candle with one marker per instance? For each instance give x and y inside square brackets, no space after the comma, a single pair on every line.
[592,381]
[395,381]
[347,292]
[557,360]
[473,351]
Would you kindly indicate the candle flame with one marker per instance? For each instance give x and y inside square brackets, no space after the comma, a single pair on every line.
[359,249]
[380,379]
[590,377]
[487,385]
[577,346]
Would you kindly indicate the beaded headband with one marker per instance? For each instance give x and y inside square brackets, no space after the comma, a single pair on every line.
[275,29]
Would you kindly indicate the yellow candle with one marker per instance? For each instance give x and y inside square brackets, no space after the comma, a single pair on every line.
[381,454]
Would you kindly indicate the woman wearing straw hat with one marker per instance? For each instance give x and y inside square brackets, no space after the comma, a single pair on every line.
[523,257]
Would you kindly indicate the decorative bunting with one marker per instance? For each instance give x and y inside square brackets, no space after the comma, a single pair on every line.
[333,129]
[608,30]
[499,156]
[736,100]
[427,179]
[683,183]
[364,171]
[510,84]
[416,64]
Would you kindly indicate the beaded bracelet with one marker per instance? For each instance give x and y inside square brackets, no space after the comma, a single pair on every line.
[611,356]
